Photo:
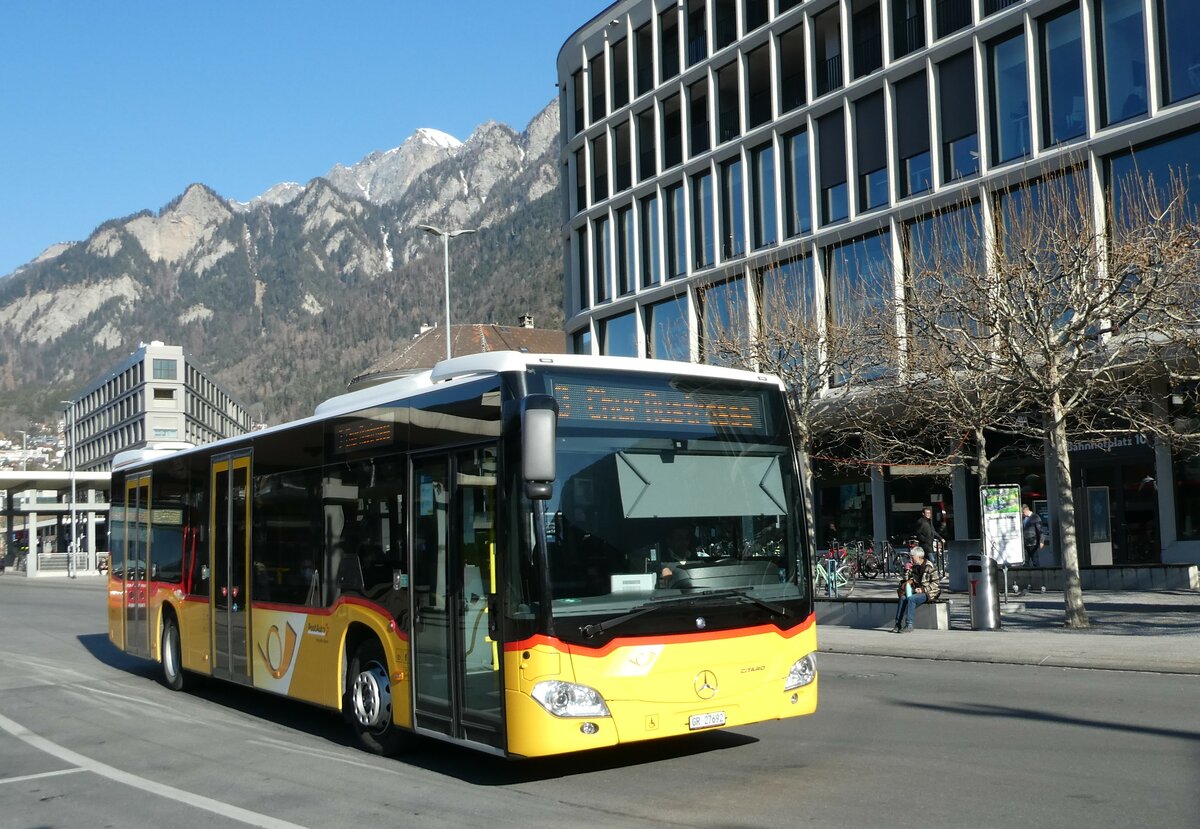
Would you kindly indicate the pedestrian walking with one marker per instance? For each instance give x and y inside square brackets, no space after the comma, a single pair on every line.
[927,535]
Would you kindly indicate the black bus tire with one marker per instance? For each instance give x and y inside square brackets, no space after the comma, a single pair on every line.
[368,701]
[173,675]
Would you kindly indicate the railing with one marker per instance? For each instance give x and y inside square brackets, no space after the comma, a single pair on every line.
[831,78]
[910,36]
[952,15]
[759,107]
[993,6]
[868,55]
[791,91]
[697,50]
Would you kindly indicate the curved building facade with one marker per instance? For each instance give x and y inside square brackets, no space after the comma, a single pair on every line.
[710,146]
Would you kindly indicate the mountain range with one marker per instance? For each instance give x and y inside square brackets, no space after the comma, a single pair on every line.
[281,300]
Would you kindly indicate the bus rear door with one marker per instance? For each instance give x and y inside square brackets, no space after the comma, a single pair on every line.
[137,542]
[456,670]
[229,555]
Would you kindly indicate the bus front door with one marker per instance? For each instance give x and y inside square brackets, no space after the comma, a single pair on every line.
[456,669]
[229,554]
[137,532]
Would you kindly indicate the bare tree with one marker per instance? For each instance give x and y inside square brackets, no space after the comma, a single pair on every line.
[779,325]
[1050,322]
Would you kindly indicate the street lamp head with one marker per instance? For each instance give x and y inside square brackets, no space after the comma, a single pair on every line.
[436,231]
[461,232]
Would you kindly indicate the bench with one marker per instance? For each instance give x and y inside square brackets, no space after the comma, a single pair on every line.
[879,612]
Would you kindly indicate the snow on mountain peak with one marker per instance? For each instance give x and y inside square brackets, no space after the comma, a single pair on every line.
[438,138]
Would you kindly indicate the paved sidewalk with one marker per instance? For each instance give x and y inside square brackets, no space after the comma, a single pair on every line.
[1131,631]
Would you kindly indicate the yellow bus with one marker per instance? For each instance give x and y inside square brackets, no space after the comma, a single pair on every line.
[526,554]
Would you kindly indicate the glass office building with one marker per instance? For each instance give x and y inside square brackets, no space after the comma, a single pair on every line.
[712,147]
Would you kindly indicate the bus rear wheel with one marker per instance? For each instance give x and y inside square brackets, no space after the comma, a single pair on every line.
[173,675]
[368,701]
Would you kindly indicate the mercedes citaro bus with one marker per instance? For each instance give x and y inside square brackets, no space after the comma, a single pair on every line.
[479,553]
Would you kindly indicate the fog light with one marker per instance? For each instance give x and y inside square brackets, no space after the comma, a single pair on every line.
[589,728]
[795,698]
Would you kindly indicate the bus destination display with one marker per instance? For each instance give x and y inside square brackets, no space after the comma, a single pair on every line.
[596,403]
[361,434]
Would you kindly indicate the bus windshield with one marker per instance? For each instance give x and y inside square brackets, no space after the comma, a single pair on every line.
[666,491]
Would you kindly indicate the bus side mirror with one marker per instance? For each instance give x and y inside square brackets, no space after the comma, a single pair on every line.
[539,423]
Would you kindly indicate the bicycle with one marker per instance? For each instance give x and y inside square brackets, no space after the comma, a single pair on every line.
[865,562]
[835,573]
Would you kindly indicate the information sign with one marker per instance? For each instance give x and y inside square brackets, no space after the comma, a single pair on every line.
[1000,506]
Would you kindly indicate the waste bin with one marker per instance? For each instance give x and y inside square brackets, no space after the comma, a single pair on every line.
[982,592]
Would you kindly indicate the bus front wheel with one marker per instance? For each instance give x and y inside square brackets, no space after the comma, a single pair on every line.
[174,677]
[368,702]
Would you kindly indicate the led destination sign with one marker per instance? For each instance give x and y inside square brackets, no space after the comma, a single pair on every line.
[599,403]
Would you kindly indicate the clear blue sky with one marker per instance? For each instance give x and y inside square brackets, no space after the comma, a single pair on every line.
[108,108]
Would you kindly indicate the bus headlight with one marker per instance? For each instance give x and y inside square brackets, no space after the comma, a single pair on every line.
[566,699]
[802,673]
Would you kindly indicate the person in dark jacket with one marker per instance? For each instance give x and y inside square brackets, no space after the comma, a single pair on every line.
[927,535]
[1033,536]
[919,587]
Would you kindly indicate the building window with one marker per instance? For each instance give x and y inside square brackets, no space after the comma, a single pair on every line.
[758,87]
[646,145]
[949,240]
[908,27]
[797,183]
[698,117]
[1179,28]
[754,14]
[164,394]
[618,336]
[597,75]
[994,6]
[622,164]
[602,241]
[672,144]
[676,232]
[1062,60]
[668,39]
[791,69]
[870,134]
[580,180]
[912,135]
[582,259]
[787,297]
[724,322]
[644,55]
[728,103]
[651,241]
[1157,165]
[859,279]
[599,169]
[667,330]
[620,74]
[733,209]
[626,258]
[577,99]
[952,15]
[827,36]
[956,104]
[1010,99]
[1123,58]
[831,151]
[725,22]
[165,369]
[697,32]
[703,221]
[866,29]
[762,194]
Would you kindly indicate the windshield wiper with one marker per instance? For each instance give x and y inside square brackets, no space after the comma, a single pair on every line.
[641,610]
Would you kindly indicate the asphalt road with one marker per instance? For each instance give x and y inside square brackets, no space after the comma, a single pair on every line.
[89,738]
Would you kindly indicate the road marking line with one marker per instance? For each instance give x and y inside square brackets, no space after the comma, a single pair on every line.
[144,784]
[23,778]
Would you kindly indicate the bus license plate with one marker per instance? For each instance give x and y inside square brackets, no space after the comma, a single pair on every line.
[706,720]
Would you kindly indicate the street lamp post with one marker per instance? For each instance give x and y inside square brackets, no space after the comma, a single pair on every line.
[446,235]
[71,459]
